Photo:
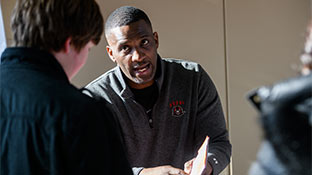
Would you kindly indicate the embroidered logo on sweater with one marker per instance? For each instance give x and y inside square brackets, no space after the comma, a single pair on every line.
[176,108]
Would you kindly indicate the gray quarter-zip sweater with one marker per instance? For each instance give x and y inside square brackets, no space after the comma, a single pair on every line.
[187,110]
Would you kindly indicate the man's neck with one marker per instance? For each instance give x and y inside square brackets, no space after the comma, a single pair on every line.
[146,97]
[140,86]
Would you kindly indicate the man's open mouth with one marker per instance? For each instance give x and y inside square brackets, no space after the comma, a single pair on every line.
[142,69]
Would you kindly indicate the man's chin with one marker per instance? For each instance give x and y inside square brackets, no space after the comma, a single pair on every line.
[142,82]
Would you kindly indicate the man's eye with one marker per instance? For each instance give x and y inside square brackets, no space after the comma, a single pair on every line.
[125,48]
[145,42]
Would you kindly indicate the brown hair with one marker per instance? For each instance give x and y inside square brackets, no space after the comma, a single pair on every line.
[46,24]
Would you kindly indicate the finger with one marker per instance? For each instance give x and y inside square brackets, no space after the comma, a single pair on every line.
[176,171]
[188,166]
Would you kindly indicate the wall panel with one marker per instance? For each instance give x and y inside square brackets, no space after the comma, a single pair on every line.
[264,41]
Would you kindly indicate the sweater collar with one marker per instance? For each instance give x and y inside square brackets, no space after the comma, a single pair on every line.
[41,59]
[126,91]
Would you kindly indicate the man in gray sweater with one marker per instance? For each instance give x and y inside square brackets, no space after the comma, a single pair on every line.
[165,107]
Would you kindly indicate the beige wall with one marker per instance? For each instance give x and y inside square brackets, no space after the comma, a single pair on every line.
[6,7]
[264,41]
[256,42]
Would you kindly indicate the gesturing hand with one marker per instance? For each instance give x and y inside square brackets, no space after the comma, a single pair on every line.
[189,165]
[162,170]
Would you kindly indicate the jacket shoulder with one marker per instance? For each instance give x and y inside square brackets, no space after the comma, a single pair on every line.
[185,64]
[104,79]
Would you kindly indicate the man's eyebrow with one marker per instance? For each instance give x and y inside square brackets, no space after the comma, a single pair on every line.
[144,35]
[122,42]
[139,34]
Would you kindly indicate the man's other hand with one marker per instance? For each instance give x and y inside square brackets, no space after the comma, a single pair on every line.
[162,170]
[189,165]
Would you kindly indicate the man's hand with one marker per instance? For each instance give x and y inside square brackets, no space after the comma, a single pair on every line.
[189,165]
[162,170]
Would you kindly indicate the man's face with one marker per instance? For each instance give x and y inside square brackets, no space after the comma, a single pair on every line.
[134,48]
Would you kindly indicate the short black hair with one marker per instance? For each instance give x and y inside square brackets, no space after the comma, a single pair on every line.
[125,15]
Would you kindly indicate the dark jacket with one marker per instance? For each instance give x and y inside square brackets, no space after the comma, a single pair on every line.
[286,118]
[48,126]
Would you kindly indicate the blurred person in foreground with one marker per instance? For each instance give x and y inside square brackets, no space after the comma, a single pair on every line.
[47,125]
[165,107]
[286,118]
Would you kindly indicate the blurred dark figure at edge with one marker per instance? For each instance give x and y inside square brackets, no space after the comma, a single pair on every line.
[286,118]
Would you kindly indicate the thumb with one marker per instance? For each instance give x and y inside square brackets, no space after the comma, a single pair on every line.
[188,166]
[176,171]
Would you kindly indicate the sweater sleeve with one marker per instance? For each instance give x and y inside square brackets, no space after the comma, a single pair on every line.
[210,122]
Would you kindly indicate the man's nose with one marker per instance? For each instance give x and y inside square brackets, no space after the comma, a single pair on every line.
[137,55]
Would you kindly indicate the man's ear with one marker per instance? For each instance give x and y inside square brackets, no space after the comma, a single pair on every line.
[155,34]
[110,53]
[67,45]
